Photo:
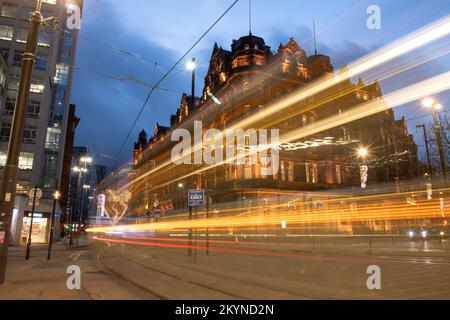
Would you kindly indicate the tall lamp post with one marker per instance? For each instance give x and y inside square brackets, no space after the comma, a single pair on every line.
[56,196]
[426,147]
[191,65]
[362,154]
[74,212]
[9,181]
[430,103]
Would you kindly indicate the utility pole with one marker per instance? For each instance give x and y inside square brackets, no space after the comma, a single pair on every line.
[430,103]
[56,196]
[191,65]
[437,130]
[30,232]
[9,181]
[426,147]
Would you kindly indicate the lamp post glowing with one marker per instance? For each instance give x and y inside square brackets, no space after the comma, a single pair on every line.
[191,65]
[56,197]
[362,152]
[430,103]
[363,169]
[76,210]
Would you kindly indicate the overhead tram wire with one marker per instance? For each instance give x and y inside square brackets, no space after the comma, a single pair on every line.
[169,72]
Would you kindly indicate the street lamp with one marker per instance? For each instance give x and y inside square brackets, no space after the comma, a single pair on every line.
[430,103]
[191,65]
[86,160]
[363,152]
[79,170]
[363,169]
[56,197]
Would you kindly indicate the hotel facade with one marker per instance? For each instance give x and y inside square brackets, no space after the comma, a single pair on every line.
[244,82]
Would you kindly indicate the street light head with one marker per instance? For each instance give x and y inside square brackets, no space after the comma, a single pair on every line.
[71,6]
[180,185]
[363,152]
[191,65]
[86,159]
[57,195]
[86,186]
[76,169]
[428,102]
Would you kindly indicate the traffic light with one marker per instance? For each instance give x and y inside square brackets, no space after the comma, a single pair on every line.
[67,227]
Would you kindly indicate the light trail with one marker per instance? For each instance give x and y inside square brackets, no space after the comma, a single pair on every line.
[376,212]
[348,259]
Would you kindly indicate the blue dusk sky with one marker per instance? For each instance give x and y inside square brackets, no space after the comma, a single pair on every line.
[127,37]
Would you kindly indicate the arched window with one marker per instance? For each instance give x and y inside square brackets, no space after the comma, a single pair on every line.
[260,88]
[245,86]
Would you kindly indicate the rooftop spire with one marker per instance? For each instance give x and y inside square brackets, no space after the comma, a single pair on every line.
[315,40]
[250,16]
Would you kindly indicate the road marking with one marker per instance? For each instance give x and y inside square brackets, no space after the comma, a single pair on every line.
[76,255]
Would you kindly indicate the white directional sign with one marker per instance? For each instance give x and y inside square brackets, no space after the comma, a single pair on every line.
[31,196]
[32,192]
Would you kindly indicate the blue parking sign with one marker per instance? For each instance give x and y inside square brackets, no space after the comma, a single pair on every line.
[196,198]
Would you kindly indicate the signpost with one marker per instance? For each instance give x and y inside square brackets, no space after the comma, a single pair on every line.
[35,195]
[196,198]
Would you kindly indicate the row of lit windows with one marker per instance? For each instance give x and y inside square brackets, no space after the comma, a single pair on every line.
[26,160]
[37,85]
[10,10]
[286,173]
[40,63]
[33,108]
[7,33]
[29,133]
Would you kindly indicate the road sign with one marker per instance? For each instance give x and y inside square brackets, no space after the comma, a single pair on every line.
[196,198]
[38,194]
[31,194]
[37,203]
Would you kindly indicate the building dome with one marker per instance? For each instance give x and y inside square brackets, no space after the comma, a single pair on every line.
[249,42]
[249,51]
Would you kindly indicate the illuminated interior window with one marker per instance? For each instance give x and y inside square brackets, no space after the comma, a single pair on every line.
[22,35]
[37,86]
[291,171]
[61,74]
[6,32]
[26,160]
[283,170]
[338,174]
[9,10]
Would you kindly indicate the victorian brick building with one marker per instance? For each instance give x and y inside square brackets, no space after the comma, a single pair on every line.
[243,82]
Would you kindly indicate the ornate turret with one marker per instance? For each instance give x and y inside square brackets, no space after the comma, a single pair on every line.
[140,145]
[249,51]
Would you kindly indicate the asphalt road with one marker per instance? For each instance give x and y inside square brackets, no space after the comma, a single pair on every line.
[278,269]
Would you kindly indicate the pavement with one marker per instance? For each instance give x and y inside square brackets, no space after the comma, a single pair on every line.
[39,279]
[417,270]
